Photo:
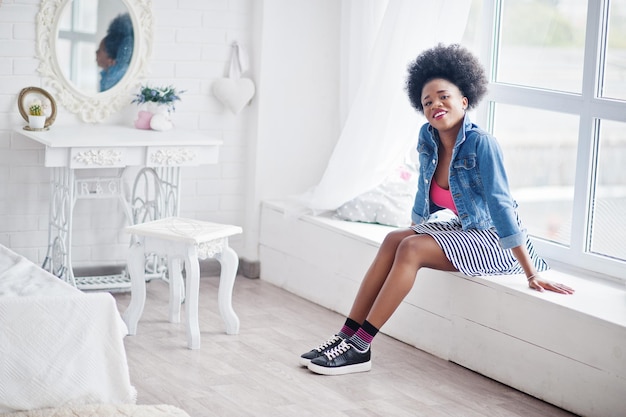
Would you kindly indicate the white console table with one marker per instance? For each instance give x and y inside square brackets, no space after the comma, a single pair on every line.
[156,189]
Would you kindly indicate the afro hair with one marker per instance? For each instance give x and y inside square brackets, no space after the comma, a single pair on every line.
[119,33]
[452,63]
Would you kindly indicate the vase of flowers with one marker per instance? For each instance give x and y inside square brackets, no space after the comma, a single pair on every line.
[156,101]
[36,116]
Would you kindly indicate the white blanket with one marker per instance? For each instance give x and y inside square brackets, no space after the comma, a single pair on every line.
[58,346]
[20,277]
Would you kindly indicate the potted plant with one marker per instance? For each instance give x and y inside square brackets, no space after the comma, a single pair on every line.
[36,116]
[153,101]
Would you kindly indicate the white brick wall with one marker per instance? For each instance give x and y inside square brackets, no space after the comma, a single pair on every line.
[192,48]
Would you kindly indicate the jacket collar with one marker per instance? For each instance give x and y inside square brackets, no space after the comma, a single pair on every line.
[460,138]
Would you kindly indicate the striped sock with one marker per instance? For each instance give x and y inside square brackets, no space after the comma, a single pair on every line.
[364,336]
[349,328]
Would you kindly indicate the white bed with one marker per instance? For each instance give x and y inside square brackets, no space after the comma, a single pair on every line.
[58,345]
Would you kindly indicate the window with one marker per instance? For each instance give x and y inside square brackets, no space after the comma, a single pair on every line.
[557,104]
[78,42]
[608,228]
[540,157]
[614,74]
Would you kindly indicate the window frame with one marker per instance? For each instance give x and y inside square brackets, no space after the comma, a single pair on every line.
[588,106]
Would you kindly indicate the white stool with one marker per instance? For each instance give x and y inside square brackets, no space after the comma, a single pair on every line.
[186,240]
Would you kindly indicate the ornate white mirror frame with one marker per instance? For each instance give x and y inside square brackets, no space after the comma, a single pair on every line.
[95,107]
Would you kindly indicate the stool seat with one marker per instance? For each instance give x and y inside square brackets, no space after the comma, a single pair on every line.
[183,240]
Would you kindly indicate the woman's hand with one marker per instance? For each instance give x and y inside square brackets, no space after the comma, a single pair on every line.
[534,280]
[536,283]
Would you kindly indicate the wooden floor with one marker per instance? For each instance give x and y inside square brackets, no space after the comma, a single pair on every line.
[256,373]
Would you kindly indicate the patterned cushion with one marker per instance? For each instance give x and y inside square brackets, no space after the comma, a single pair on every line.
[390,203]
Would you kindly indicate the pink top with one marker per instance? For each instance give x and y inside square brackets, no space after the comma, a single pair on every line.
[442,197]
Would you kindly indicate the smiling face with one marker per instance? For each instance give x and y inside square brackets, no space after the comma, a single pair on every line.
[444,105]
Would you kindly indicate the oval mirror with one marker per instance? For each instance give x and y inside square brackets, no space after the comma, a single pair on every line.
[94,52]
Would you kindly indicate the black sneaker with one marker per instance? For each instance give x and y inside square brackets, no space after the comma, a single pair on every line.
[305,358]
[345,358]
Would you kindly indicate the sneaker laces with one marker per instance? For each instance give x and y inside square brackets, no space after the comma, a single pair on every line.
[327,343]
[338,350]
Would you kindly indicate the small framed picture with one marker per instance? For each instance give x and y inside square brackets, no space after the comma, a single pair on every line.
[37,100]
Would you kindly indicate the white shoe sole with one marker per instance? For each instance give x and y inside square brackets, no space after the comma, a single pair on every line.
[305,362]
[340,370]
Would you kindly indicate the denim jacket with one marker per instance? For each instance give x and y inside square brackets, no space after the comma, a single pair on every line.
[478,183]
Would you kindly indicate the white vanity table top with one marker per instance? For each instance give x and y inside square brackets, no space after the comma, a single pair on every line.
[116,146]
[98,135]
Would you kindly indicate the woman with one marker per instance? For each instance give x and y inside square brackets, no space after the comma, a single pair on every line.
[115,51]
[460,169]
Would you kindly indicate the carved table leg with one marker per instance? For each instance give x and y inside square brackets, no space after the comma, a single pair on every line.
[138,285]
[229,261]
[192,269]
[175,286]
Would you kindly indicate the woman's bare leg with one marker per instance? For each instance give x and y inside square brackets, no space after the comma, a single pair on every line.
[377,274]
[388,280]
[413,253]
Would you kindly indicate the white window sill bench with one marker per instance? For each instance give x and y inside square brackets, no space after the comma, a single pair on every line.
[567,350]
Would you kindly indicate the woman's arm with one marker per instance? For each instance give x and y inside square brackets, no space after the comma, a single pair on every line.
[534,280]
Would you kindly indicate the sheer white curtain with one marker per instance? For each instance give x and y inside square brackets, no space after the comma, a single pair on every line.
[381,126]
[360,21]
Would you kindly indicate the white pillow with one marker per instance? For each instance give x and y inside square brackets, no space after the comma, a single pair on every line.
[390,203]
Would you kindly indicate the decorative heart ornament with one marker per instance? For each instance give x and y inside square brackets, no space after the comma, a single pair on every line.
[161,122]
[234,93]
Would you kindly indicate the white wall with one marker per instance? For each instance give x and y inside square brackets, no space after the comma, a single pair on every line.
[297,62]
[293,46]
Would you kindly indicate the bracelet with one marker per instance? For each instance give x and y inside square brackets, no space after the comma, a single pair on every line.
[532,276]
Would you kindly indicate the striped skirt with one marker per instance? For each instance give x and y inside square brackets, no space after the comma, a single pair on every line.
[476,252]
